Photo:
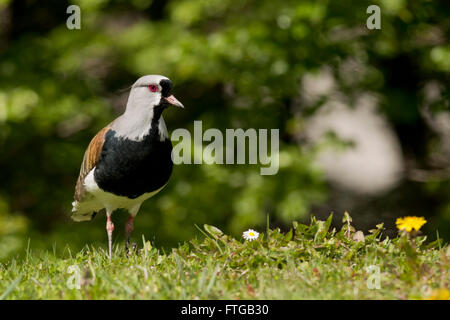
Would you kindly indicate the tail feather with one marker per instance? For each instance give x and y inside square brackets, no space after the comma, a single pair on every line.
[84,211]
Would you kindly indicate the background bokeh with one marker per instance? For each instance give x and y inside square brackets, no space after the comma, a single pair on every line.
[364,115]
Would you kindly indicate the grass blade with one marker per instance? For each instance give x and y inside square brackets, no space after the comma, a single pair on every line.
[11,287]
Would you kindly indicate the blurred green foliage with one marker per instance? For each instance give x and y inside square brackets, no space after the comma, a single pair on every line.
[234,64]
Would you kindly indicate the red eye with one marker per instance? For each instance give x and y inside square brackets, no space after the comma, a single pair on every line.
[153,87]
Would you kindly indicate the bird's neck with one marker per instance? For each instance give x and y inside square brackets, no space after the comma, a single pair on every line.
[143,125]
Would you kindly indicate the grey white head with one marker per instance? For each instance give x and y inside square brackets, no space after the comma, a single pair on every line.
[149,96]
[152,91]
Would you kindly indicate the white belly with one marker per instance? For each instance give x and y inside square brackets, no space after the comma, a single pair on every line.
[111,201]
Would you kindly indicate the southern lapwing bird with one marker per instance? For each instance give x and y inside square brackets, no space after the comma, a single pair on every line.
[129,160]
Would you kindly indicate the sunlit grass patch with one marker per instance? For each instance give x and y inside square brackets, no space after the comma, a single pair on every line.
[311,261]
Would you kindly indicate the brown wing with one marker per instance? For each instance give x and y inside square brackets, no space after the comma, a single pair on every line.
[90,160]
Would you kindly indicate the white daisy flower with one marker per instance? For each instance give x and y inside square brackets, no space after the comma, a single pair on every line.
[250,235]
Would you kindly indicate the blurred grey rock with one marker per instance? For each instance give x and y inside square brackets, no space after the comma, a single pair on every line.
[373,163]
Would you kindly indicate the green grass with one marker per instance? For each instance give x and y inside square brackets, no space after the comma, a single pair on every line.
[308,262]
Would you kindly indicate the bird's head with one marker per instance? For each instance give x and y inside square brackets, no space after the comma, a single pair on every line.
[152,91]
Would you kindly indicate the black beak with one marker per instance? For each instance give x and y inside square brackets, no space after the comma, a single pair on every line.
[174,101]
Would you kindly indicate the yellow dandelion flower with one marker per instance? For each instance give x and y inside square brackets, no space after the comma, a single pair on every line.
[410,223]
[440,294]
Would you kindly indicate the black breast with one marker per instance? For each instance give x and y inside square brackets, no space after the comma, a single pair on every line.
[131,168]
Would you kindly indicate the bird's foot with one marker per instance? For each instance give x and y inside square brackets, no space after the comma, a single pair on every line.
[129,226]
[130,250]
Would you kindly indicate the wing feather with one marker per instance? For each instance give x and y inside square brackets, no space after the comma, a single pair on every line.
[90,160]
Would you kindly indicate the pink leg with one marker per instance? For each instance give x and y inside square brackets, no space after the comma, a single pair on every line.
[109,229]
[129,226]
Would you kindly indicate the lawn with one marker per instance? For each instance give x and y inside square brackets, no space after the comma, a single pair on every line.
[309,262]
